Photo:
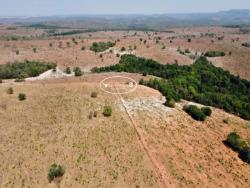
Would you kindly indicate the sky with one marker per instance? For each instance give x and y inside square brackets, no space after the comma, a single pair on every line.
[76,7]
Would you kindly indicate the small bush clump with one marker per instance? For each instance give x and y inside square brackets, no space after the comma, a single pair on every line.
[68,70]
[78,71]
[101,46]
[170,103]
[22,96]
[207,111]
[10,91]
[235,142]
[215,54]
[55,171]
[195,112]
[107,111]
[94,94]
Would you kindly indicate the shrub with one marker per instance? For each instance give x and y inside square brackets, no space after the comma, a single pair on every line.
[68,70]
[83,48]
[189,40]
[195,112]
[21,97]
[107,111]
[1,81]
[78,71]
[215,54]
[95,113]
[101,46]
[207,111]
[10,91]
[235,142]
[17,52]
[170,103]
[94,94]
[55,171]
[123,49]
[187,51]
[144,74]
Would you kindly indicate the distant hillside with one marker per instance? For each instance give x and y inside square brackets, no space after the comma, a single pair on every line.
[231,17]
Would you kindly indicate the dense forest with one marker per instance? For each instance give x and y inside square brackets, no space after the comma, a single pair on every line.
[24,69]
[201,82]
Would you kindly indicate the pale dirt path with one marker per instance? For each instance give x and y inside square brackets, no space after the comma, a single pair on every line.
[160,169]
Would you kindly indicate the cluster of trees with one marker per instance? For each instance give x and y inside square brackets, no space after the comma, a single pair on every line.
[200,82]
[215,54]
[236,143]
[199,114]
[101,46]
[246,44]
[21,70]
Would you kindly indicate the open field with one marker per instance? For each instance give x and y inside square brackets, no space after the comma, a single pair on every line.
[63,51]
[139,144]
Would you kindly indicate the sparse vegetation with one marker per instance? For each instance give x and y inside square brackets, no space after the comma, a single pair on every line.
[107,111]
[101,46]
[55,171]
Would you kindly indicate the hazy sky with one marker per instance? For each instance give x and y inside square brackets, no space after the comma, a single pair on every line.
[69,7]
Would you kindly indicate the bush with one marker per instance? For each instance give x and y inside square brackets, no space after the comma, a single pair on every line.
[55,171]
[10,91]
[235,142]
[195,112]
[123,49]
[215,54]
[95,113]
[78,71]
[170,103]
[207,111]
[21,97]
[107,111]
[68,70]
[94,94]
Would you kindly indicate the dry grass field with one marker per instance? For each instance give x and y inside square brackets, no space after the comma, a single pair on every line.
[143,143]
[56,49]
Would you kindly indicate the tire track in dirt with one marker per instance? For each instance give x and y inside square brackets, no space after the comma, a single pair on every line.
[158,167]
